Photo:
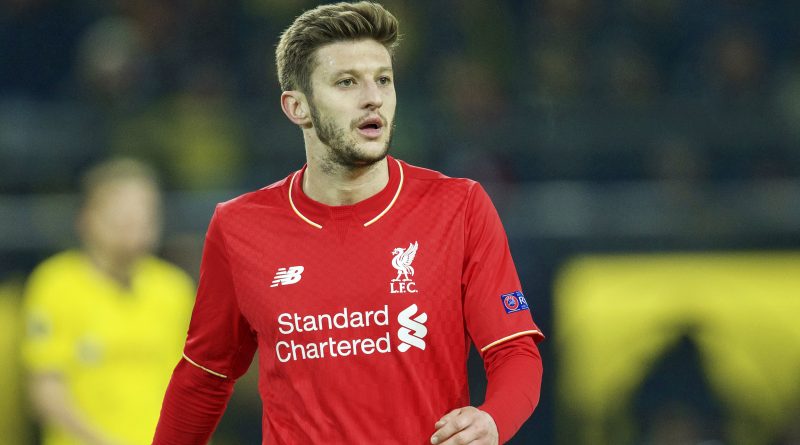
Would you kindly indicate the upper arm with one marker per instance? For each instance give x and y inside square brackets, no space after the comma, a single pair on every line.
[220,339]
[50,325]
[495,309]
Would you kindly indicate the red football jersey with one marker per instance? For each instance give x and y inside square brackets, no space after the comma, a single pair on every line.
[362,314]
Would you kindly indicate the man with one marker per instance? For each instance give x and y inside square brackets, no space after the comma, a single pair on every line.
[360,279]
[106,323]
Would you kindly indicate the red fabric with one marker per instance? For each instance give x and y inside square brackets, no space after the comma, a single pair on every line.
[220,338]
[514,380]
[340,327]
[193,405]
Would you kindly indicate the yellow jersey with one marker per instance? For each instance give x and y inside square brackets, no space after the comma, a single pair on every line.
[13,424]
[115,347]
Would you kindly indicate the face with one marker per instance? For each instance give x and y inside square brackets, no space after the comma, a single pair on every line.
[122,219]
[353,102]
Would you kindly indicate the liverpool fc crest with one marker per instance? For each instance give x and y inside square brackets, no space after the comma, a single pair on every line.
[402,260]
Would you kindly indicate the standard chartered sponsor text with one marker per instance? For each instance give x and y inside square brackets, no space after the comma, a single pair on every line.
[293,323]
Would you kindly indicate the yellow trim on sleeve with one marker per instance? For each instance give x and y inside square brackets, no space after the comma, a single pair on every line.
[510,337]
[204,368]
[291,202]
[396,194]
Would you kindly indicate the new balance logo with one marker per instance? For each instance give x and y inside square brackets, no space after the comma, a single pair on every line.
[288,276]
[413,330]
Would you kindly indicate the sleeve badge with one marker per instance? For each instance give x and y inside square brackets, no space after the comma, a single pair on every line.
[514,302]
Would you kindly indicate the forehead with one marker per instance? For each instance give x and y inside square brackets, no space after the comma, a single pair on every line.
[109,192]
[351,55]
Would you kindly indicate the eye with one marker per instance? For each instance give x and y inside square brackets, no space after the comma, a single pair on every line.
[346,82]
[384,80]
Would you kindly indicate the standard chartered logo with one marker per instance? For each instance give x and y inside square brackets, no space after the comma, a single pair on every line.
[293,327]
[413,330]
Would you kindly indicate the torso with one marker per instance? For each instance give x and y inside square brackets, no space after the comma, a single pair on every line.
[361,317]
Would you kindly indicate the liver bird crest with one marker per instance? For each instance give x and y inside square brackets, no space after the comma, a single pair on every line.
[402,261]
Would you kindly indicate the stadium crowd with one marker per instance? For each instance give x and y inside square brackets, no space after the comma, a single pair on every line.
[513,93]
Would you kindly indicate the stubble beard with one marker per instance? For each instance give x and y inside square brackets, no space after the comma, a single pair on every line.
[343,151]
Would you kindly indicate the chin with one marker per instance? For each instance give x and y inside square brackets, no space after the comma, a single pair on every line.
[350,152]
[372,152]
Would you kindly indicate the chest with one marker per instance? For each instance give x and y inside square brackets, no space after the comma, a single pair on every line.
[129,327]
[350,279]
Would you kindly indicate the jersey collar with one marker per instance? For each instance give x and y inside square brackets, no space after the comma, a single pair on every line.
[366,212]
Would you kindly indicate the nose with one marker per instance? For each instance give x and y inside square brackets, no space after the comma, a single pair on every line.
[371,96]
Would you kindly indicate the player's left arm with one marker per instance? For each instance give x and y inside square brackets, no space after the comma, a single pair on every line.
[500,324]
[514,376]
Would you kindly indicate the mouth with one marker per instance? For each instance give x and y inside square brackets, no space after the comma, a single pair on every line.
[371,128]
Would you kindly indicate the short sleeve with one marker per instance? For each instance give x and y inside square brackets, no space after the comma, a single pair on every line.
[51,329]
[495,308]
[220,340]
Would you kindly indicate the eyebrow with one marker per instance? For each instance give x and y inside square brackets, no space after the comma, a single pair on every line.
[353,72]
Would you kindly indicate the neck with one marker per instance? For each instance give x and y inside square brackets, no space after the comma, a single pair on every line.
[336,186]
[118,269]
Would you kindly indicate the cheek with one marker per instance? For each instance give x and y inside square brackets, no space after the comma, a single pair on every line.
[143,226]
[104,231]
[337,119]
[389,104]
[135,227]
[334,107]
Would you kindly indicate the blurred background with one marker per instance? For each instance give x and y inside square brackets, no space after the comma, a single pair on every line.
[644,156]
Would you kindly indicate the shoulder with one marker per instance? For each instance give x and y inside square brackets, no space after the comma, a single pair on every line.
[165,271]
[425,177]
[171,283]
[270,196]
[424,182]
[67,263]
[57,281]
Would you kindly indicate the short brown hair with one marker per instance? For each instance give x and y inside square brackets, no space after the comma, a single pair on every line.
[328,24]
[113,170]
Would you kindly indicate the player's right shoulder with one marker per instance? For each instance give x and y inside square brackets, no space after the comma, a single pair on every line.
[266,197]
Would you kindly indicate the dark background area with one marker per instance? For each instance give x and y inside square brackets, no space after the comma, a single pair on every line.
[596,126]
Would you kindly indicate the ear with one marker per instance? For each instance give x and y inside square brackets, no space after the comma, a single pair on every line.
[295,107]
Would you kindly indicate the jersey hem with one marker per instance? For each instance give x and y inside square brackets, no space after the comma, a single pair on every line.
[204,368]
[511,337]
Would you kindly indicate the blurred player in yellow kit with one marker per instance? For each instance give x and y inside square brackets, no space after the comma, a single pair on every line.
[106,323]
